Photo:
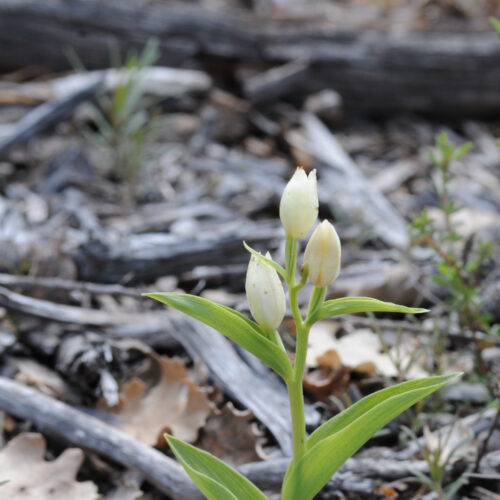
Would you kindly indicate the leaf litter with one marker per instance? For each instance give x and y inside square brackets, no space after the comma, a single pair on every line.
[175,405]
[30,476]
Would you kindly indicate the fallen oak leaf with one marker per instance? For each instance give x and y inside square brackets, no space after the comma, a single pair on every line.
[175,404]
[360,350]
[329,359]
[29,476]
[323,382]
[34,374]
[127,487]
[230,436]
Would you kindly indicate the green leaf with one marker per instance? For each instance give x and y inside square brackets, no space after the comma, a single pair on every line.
[495,23]
[215,479]
[269,262]
[350,305]
[233,325]
[339,438]
[358,409]
[462,150]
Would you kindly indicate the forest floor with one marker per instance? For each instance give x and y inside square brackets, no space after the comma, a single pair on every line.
[114,183]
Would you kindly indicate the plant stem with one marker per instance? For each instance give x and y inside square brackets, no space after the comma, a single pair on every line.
[296,398]
[295,391]
[296,394]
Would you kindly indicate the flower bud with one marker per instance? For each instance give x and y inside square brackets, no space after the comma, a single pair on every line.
[265,294]
[299,204]
[322,255]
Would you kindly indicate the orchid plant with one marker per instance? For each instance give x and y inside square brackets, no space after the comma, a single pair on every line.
[317,457]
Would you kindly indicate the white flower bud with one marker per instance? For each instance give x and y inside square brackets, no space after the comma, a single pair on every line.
[322,255]
[299,204]
[265,294]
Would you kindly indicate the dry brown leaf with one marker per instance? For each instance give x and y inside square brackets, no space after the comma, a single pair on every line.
[387,492]
[42,378]
[329,359]
[367,369]
[323,383]
[175,405]
[229,435]
[352,349]
[127,487]
[360,350]
[31,477]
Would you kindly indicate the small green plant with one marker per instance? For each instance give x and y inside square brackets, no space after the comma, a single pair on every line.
[459,267]
[439,451]
[317,457]
[495,23]
[124,126]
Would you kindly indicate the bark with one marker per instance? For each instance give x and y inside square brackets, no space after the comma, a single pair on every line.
[440,74]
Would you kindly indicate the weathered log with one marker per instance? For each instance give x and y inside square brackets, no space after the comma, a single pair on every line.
[442,74]
[146,257]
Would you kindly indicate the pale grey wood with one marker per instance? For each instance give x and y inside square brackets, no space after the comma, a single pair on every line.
[441,74]
[47,114]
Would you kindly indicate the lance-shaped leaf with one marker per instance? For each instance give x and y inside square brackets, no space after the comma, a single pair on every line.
[351,305]
[334,442]
[233,325]
[349,415]
[279,269]
[215,479]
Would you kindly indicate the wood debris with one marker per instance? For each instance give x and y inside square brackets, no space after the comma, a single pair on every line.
[240,94]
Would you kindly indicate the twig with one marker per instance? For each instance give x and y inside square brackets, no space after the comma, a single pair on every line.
[47,115]
[72,314]
[484,445]
[30,282]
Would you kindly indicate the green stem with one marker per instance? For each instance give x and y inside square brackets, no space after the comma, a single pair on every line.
[296,394]
[297,317]
[296,397]
[295,391]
